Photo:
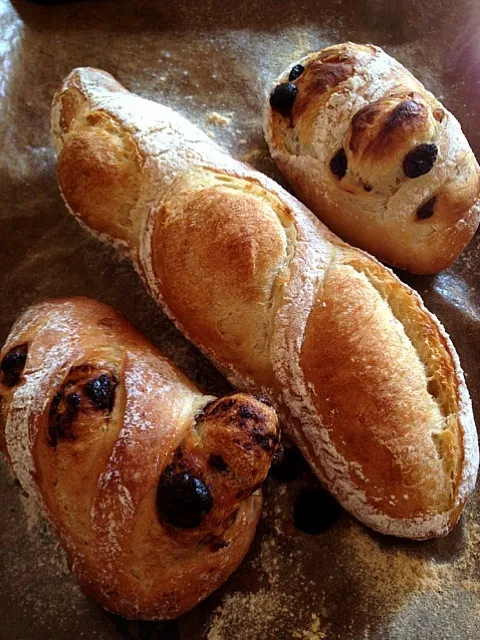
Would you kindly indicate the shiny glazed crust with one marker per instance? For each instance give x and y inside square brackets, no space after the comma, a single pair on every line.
[358,99]
[365,378]
[93,461]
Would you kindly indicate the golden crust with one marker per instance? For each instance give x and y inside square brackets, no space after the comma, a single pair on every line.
[383,128]
[370,108]
[99,172]
[98,466]
[370,406]
[278,302]
[211,224]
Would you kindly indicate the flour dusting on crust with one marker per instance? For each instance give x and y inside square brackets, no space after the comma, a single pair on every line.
[170,145]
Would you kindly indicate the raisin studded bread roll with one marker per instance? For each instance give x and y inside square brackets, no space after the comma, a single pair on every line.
[152,486]
[380,161]
[365,378]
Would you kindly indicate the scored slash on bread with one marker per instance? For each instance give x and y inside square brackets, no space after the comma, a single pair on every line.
[152,486]
[365,378]
[376,156]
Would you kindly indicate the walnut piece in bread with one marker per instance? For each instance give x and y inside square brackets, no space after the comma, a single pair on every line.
[375,156]
[152,486]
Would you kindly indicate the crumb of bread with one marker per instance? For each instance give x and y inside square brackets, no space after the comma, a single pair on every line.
[252,155]
[217,120]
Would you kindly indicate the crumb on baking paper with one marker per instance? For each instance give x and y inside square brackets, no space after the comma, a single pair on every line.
[252,155]
[217,120]
[314,632]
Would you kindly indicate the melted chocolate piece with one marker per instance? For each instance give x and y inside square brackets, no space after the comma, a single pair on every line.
[217,463]
[246,413]
[13,364]
[55,402]
[339,164]
[62,416]
[427,209]
[420,160]
[283,97]
[101,391]
[263,399]
[267,442]
[295,72]
[288,463]
[183,500]
[315,511]
[73,402]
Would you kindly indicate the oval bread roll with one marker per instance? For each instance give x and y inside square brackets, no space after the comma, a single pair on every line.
[152,486]
[375,156]
[365,378]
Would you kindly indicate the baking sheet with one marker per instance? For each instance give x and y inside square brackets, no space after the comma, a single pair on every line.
[212,60]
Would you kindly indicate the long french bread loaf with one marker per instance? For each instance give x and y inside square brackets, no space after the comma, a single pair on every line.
[365,378]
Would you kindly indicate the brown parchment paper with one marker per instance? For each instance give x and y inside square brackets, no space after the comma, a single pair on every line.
[213,61]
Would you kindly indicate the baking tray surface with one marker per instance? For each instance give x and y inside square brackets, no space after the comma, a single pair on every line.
[213,61]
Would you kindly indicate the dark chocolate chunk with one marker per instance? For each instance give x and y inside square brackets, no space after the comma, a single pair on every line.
[420,160]
[266,442]
[183,500]
[101,391]
[427,209]
[246,413]
[73,403]
[55,402]
[295,72]
[315,511]
[62,416]
[288,463]
[263,399]
[339,164]
[283,97]
[217,463]
[13,364]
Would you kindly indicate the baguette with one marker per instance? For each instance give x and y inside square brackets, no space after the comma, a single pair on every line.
[152,486]
[375,156]
[364,378]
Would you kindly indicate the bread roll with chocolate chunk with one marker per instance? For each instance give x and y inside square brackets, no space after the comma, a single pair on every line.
[365,378]
[152,486]
[375,155]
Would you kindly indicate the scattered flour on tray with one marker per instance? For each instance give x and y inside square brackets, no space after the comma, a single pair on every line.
[392,588]
[271,609]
